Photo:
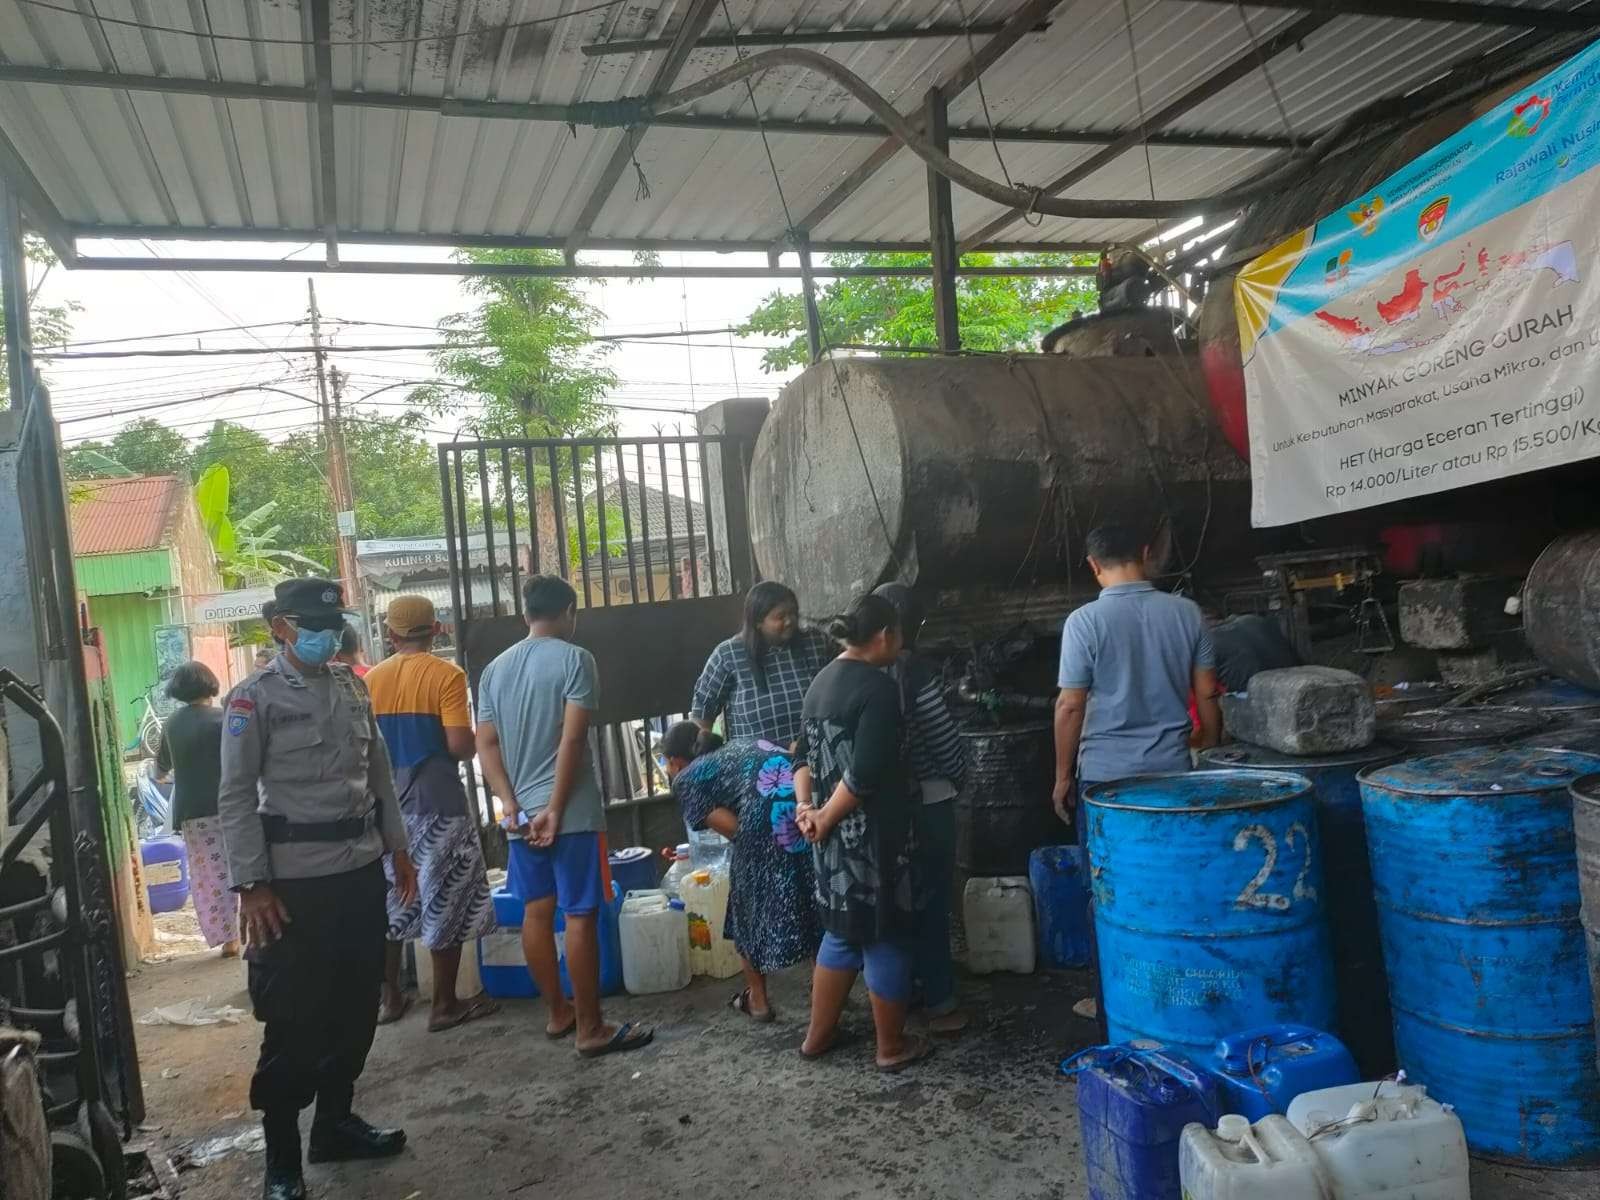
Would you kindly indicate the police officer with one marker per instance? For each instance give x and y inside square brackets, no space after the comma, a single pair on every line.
[308,810]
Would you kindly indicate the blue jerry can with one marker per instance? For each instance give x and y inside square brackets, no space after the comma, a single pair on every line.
[1060,884]
[1258,1071]
[1132,1106]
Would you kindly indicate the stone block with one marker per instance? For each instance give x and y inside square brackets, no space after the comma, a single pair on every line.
[1464,668]
[1303,710]
[1463,613]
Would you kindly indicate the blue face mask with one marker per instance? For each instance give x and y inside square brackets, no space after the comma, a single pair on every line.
[315,646]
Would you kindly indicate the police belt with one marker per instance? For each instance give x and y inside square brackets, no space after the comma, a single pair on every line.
[280,829]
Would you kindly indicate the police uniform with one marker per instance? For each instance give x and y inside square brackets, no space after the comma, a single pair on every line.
[308,807]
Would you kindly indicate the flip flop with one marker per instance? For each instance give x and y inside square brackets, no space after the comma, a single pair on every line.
[841,1037]
[740,1003]
[950,1024]
[629,1036]
[405,1007]
[476,1009]
[557,1035]
[921,1049]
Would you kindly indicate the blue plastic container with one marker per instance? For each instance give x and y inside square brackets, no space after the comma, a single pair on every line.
[1208,906]
[1132,1107]
[501,980]
[1259,1071]
[166,873]
[1478,902]
[501,967]
[1365,1024]
[634,869]
[1060,886]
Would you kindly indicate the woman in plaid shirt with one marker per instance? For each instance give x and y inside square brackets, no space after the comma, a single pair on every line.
[757,681]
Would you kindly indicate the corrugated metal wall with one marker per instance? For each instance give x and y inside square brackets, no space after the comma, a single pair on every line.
[127,623]
[113,574]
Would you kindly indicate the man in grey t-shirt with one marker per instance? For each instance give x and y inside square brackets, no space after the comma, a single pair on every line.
[534,706]
[1129,663]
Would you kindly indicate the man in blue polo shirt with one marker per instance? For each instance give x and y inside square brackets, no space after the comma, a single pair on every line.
[1129,662]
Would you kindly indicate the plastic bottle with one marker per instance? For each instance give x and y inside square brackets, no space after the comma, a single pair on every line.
[705,895]
[682,864]
[1385,1139]
[1270,1160]
[708,849]
[655,943]
[999,917]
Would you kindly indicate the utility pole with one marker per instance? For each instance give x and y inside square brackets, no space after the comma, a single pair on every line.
[340,491]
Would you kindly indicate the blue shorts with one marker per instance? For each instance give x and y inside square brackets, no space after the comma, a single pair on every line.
[887,965]
[573,870]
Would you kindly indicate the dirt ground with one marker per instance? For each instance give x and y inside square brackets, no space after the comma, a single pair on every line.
[716,1108]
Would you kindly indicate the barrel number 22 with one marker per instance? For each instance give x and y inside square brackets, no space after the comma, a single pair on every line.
[1295,837]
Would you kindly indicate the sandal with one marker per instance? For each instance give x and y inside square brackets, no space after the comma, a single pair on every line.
[841,1037]
[740,1003]
[950,1024]
[628,1036]
[555,1035]
[917,1049]
[390,1016]
[474,1010]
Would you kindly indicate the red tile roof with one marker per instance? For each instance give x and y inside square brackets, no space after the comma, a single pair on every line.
[122,516]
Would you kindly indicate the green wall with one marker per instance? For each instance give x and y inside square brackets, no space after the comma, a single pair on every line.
[127,623]
[115,574]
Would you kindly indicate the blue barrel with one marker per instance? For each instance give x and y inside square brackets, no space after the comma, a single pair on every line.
[1363,988]
[1060,883]
[1476,874]
[634,869]
[1208,905]
[166,872]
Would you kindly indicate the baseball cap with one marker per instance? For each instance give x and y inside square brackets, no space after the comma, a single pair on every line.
[410,616]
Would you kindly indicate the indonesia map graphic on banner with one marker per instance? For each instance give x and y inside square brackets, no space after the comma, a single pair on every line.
[1444,328]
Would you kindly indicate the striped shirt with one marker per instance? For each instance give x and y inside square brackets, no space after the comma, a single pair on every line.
[938,756]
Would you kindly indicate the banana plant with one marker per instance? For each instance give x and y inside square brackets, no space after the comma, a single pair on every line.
[247,553]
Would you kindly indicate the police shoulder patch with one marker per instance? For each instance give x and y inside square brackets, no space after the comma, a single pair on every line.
[240,711]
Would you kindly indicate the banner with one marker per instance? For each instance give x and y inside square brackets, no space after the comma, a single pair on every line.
[1444,328]
[224,607]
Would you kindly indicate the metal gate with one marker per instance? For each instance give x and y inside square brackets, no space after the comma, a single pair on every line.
[653,535]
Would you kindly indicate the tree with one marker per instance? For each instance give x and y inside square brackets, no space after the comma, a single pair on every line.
[146,447]
[526,354]
[247,550]
[50,324]
[997,312]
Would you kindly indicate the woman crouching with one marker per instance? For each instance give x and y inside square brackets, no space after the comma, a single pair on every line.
[745,792]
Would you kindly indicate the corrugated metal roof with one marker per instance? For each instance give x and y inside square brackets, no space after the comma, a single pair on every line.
[113,157]
[120,516]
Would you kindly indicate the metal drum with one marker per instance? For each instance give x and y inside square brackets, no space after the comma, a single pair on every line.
[1555,702]
[1363,988]
[1208,905]
[1561,607]
[1439,730]
[1003,812]
[1586,824]
[1477,886]
[1581,737]
[1405,697]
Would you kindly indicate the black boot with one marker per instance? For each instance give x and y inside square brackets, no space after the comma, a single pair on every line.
[283,1179]
[335,1139]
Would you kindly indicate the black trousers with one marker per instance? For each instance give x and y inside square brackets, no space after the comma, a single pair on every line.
[316,992]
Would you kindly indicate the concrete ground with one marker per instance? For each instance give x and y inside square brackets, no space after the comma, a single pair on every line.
[717,1108]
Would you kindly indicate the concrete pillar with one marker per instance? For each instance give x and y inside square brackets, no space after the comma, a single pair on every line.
[727,474]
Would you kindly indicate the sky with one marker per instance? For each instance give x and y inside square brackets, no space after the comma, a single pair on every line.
[661,383]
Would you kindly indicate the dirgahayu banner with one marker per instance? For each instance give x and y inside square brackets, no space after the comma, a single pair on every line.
[1442,329]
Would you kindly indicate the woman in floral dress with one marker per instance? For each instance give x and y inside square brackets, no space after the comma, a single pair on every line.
[745,791]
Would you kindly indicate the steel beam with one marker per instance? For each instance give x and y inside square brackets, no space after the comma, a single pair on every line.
[282,266]
[14,298]
[815,342]
[498,110]
[349,237]
[1506,15]
[941,228]
[327,157]
[695,19]
[1242,64]
[43,216]
[804,37]
[1021,23]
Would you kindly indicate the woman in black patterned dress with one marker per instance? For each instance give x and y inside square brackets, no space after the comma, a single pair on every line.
[862,834]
